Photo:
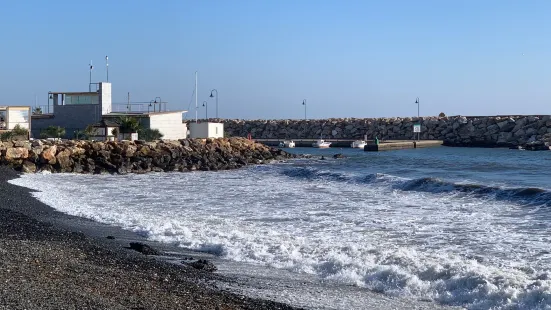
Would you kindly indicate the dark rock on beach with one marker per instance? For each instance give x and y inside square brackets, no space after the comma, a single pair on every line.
[143,248]
[202,264]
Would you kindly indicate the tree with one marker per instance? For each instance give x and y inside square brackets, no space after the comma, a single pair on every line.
[442,114]
[79,134]
[115,132]
[37,110]
[19,131]
[89,131]
[53,132]
[129,124]
[149,134]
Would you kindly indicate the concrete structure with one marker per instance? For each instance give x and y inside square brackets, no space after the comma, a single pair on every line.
[11,116]
[206,130]
[169,124]
[400,145]
[103,131]
[75,111]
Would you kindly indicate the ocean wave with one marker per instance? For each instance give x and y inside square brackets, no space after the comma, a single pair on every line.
[522,195]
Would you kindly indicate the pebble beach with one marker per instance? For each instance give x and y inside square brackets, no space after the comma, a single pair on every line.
[48,263]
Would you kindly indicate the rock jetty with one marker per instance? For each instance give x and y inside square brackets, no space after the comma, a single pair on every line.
[122,157]
[530,132]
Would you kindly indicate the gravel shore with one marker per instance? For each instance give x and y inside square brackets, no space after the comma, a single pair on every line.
[48,266]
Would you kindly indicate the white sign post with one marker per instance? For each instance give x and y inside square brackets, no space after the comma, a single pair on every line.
[417,129]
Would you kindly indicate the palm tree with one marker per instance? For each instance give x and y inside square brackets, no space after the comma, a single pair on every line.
[37,110]
[129,124]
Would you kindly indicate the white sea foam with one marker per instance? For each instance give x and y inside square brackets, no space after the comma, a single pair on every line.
[454,249]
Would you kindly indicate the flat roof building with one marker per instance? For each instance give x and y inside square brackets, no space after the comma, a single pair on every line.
[75,111]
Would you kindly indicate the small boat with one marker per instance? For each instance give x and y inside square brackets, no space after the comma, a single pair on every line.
[287,144]
[321,144]
[358,144]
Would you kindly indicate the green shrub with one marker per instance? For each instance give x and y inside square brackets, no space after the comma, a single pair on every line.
[19,131]
[5,136]
[53,132]
[149,134]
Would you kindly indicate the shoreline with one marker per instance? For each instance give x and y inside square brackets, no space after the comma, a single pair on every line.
[51,260]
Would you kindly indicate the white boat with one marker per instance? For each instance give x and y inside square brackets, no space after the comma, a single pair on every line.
[321,144]
[287,143]
[358,144]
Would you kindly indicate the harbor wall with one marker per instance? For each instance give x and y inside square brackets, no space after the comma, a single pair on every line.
[80,156]
[486,131]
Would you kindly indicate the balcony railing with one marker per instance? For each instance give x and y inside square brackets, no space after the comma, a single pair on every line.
[139,107]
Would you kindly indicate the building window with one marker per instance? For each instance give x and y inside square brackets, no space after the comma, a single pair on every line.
[216,129]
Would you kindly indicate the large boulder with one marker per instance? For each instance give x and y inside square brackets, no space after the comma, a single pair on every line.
[48,155]
[14,153]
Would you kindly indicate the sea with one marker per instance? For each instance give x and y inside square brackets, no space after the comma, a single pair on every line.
[422,228]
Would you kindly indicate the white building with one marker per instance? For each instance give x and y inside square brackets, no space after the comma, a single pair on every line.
[11,116]
[206,130]
[169,123]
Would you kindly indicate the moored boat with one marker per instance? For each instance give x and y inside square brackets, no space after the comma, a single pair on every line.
[358,144]
[287,144]
[321,144]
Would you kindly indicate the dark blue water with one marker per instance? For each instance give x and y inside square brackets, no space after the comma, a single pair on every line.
[491,167]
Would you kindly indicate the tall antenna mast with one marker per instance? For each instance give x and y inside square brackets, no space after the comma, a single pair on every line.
[90,85]
[107,67]
[195,96]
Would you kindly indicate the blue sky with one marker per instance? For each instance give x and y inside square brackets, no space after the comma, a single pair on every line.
[346,58]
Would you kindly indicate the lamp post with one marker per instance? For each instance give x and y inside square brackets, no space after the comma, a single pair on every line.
[418,119]
[206,105]
[90,85]
[211,95]
[159,104]
[304,104]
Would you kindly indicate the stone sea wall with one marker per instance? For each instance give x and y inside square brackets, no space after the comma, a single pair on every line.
[136,157]
[490,131]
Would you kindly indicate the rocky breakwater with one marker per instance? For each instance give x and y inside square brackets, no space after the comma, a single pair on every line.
[530,132]
[135,157]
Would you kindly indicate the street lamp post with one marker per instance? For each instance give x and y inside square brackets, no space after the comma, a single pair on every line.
[206,105]
[304,104]
[90,84]
[160,101]
[211,95]
[418,119]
